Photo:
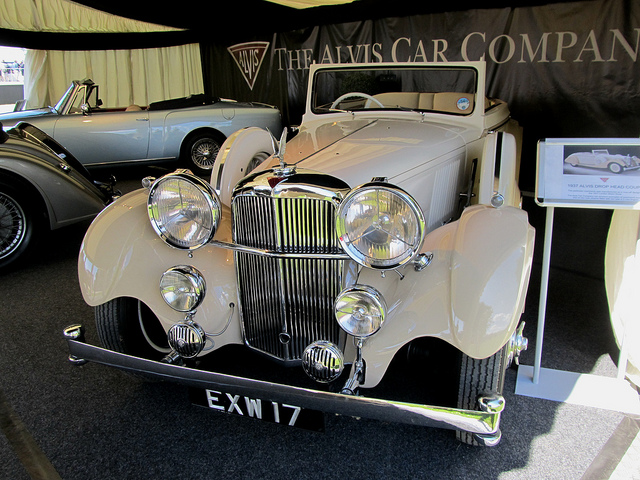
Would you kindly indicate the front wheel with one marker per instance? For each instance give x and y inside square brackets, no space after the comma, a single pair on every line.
[17,224]
[127,325]
[200,151]
[477,378]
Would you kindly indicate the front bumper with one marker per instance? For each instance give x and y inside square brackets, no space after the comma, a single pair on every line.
[484,423]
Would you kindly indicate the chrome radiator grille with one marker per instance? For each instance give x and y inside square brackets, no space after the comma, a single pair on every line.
[287,303]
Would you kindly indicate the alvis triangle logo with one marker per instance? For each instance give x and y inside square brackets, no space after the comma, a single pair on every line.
[248,56]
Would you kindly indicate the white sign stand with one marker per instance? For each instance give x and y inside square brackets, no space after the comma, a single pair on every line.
[580,173]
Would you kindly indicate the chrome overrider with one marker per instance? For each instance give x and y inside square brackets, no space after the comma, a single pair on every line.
[484,424]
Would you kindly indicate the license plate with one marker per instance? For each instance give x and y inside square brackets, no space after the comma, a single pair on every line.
[266,410]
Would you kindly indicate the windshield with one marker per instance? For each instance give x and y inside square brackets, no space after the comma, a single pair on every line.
[60,105]
[435,89]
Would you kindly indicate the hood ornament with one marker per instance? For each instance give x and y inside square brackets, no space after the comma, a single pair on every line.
[279,147]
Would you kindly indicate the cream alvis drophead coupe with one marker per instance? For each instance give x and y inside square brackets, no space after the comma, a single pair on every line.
[374,265]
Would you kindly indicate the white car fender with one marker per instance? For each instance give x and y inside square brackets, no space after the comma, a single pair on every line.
[471,295]
[122,256]
[490,268]
[235,154]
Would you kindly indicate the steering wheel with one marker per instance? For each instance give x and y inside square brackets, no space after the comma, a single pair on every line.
[355,94]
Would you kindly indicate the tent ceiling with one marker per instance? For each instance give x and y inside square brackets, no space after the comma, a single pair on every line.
[208,21]
[275,15]
[215,18]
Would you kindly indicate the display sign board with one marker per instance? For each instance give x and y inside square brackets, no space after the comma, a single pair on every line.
[589,173]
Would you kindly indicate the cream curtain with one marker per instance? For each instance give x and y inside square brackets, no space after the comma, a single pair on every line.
[125,77]
[66,16]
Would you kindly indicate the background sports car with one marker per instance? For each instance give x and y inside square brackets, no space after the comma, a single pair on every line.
[41,185]
[190,129]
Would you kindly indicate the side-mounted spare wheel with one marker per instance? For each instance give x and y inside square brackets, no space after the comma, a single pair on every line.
[242,152]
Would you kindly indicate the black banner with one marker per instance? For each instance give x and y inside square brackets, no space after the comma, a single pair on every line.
[566,70]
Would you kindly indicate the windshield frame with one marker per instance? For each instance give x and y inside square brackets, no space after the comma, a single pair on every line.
[408,75]
[64,99]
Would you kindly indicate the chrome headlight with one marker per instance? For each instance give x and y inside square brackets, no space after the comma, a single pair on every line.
[360,310]
[183,288]
[184,210]
[380,226]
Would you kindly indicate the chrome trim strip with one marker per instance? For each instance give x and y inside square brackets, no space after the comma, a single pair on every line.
[476,422]
[140,160]
[276,254]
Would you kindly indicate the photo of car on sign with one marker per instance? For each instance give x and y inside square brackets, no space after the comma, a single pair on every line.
[602,159]
[374,265]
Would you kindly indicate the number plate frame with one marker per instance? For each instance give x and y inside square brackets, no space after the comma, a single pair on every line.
[259,409]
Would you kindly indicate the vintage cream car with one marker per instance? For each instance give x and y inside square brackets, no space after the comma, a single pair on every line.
[601,158]
[374,265]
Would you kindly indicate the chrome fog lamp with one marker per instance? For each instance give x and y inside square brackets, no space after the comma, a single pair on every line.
[183,288]
[187,339]
[323,361]
[184,210]
[360,310]
[380,226]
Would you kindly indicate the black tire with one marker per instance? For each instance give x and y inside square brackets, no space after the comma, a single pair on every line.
[199,152]
[478,377]
[128,326]
[17,225]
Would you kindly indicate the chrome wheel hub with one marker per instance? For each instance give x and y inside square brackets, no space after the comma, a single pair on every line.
[204,154]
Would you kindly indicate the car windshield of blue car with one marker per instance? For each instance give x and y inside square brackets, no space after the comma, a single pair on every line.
[63,99]
[432,89]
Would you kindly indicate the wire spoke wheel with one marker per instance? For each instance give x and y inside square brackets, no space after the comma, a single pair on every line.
[204,152]
[13,224]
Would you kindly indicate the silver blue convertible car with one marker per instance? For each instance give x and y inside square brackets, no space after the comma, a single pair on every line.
[189,129]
